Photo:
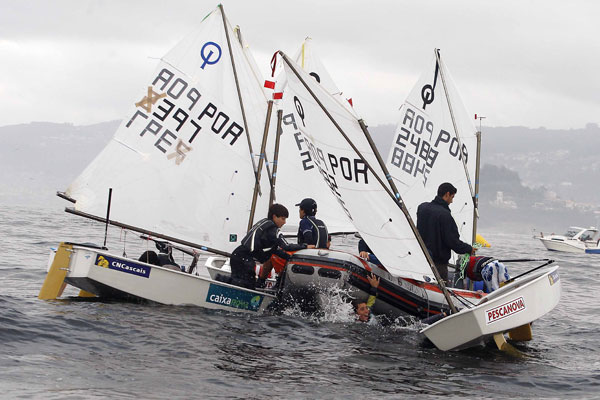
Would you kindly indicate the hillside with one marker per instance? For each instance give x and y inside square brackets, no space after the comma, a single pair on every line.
[530,178]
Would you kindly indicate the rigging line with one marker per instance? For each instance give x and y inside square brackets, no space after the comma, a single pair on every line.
[278,132]
[147,232]
[397,199]
[528,272]
[439,62]
[260,164]
[286,59]
[238,32]
[461,298]
[239,92]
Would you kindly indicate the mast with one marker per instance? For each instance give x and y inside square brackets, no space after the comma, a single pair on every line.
[439,61]
[260,164]
[476,197]
[397,200]
[237,85]
[238,33]
[276,156]
[379,159]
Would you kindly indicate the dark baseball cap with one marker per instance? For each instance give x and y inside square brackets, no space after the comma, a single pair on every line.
[308,205]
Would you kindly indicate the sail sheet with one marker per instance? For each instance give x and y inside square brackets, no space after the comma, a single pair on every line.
[180,163]
[429,148]
[297,175]
[371,208]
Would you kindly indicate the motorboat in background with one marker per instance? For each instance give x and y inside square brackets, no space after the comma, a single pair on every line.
[575,240]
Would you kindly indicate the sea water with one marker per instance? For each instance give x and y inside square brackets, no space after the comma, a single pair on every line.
[85,348]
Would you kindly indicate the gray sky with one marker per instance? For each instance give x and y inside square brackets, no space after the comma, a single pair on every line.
[517,62]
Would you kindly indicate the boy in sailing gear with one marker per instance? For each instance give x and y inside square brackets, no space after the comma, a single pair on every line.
[312,232]
[489,270]
[164,258]
[311,229]
[362,309]
[438,229]
[263,240]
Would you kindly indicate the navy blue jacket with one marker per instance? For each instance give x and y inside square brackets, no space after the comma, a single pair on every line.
[263,240]
[313,231]
[438,230]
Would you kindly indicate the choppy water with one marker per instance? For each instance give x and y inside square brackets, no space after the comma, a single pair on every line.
[71,349]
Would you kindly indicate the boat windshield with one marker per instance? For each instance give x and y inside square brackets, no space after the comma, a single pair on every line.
[571,232]
[589,235]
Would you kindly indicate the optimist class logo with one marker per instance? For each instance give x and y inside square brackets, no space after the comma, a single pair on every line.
[505,310]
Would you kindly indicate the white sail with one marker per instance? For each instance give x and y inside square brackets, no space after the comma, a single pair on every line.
[372,209]
[180,163]
[297,175]
[428,148]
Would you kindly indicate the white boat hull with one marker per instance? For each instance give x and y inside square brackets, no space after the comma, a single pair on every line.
[518,303]
[576,240]
[313,271]
[565,246]
[107,275]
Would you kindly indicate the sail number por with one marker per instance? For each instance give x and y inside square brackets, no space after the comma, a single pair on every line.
[417,145]
[179,113]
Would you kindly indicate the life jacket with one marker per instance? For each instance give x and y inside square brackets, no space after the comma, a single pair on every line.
[253,239]
[476,264]
[318,230]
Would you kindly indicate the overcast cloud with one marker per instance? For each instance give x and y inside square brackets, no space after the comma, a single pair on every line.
[517,62]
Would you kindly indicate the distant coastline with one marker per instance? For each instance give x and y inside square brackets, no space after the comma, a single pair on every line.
[530,178]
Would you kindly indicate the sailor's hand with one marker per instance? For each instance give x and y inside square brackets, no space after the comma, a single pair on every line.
[373,280]
[310,246]
[364,254]
[473,250]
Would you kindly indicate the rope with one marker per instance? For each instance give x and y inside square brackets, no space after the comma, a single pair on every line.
[124,239]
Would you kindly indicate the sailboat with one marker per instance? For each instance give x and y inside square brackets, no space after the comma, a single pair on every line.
[379,212]
[182,167]
[297,175]
[436,141]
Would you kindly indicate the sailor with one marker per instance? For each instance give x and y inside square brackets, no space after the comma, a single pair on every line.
[164,258]
[263,240]
[311,229]
[363,309]
[438,229]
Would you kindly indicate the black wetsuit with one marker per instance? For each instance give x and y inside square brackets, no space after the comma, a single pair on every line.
[263,240]
[313,231]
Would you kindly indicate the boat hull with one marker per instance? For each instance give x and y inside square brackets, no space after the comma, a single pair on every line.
[109,276]
[518,303]
[570,245]
[564,245]
[312,272]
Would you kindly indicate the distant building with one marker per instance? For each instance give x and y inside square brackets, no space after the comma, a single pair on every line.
[503,203]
